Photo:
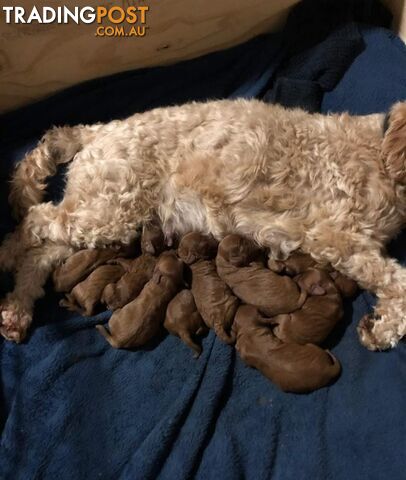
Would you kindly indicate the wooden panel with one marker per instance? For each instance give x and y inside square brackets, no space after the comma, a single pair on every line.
[39,59]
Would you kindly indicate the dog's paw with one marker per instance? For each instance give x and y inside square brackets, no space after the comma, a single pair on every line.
[276,265]
[227,337]
[377,334]
[14,323]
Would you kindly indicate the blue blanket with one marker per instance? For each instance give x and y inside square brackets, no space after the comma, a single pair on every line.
[74,408]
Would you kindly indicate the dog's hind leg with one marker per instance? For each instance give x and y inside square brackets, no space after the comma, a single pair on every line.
[32,272]
[361,259]
[11,250]
[40,223]
[59,145]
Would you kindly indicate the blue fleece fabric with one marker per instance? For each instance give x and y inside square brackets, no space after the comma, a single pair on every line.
[74,408]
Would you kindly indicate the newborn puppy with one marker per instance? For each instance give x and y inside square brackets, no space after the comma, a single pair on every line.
[183,320]
[215,301]
[85,297]
[195,246]
[254,284]
[347,287]
[293,367]
[300,262]
[138,271]
[82,263]
[152,239]
[140,320]
[320,313]
[297,263]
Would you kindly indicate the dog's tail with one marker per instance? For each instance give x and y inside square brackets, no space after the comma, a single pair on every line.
[59,145]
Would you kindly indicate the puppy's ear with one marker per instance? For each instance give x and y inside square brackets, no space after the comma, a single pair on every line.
[394,143]
[156,276]
[148,247]
[186,255]
[243,254]
[124,262]
[317,289]
[190,258]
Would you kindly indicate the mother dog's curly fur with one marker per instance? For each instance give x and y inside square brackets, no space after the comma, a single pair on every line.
[332,185]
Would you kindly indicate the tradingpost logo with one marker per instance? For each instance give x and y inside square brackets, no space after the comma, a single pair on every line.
[109,20]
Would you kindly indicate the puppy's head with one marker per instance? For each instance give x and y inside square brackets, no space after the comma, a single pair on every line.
[237,250]
[245,317]
[298,262]
[168,265]
[394,143]
[152,240]
[195,246]
[346,286]
[314,282]
[245,313]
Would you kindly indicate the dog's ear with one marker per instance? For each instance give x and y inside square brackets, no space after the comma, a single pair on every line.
[186,254]
[156,276]
[152,239]
[126,263]
[205,249]
[189,259]
[148,247]
[394,143]
[244,254]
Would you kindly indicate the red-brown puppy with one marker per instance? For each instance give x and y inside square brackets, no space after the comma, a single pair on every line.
[152,239]
[293,367]
[183,320]
[254,284]
[140,320]
[138,271]
[86,296]
[82,263]
[300,262]
[320,313]
[346,286]
[215,301]
[296,263]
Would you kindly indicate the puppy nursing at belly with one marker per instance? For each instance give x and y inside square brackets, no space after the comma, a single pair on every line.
[139,321]
[138,271]
[333,186]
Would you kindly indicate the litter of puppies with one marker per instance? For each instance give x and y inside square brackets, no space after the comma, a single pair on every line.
[214,299]
[293,367]
[277,313]
[139,321]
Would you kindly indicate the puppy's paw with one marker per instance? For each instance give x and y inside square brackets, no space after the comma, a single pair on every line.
[227,337]
[14,323]
[276,265]
[377,334]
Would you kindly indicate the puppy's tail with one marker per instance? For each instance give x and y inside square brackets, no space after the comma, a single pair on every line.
[59,145]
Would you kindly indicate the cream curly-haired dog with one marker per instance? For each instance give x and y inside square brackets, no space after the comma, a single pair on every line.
[333,186]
